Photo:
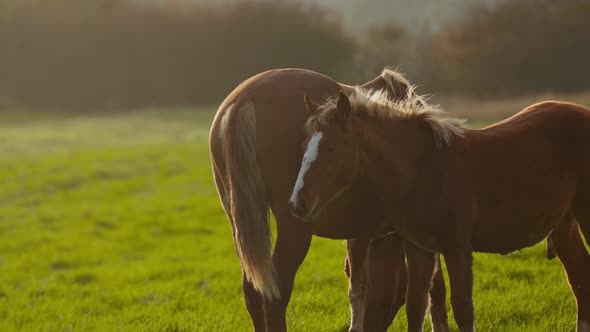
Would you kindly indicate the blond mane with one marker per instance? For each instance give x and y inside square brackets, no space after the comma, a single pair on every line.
[394,77]
[378,104]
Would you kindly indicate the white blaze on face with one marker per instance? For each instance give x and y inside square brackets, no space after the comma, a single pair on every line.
[309,157]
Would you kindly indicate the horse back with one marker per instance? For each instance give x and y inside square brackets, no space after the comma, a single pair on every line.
[537,158]
[544,115]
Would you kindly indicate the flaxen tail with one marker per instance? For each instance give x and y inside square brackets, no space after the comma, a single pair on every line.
[247,199]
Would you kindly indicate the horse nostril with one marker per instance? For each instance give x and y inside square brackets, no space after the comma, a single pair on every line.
[298,209]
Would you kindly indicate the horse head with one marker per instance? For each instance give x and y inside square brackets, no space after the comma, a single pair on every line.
[330,162]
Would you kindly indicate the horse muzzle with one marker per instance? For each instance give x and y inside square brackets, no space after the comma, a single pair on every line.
[302,209]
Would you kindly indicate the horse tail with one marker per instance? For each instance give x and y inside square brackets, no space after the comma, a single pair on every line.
[248,200]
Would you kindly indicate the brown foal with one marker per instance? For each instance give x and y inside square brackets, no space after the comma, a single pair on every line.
[451,190]
[255,144]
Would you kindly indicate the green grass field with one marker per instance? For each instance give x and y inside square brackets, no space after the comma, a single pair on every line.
[111,222]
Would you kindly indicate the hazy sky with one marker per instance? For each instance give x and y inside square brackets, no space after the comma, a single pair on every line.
[358,14]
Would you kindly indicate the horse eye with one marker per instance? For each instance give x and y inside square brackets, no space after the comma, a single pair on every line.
[330,148]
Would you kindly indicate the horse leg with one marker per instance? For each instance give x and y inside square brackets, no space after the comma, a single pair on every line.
[421,265]
[574,257]
[387,282]
[292,244]
[550,248]
[357,283]
[255,305]
[459,266]
[585,227]
[438,300]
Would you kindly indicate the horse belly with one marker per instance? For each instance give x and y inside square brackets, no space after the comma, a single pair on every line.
[521,223]
[515,234]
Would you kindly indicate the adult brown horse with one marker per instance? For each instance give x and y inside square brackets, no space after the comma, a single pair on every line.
[453,190]
[255,143]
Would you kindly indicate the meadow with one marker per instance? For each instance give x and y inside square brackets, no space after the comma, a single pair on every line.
[111,222]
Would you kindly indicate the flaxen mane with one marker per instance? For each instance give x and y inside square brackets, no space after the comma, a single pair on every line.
[378,104]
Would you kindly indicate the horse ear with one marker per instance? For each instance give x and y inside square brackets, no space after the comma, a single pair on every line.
[343,104]
[344,108]
[310,104]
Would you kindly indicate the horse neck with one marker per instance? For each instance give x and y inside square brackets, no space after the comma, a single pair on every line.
[396,155]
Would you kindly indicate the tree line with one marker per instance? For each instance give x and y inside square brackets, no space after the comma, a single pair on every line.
[61,54]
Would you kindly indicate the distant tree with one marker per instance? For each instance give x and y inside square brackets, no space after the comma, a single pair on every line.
[384,45]
[387,45]
[515,47]
[109,53]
